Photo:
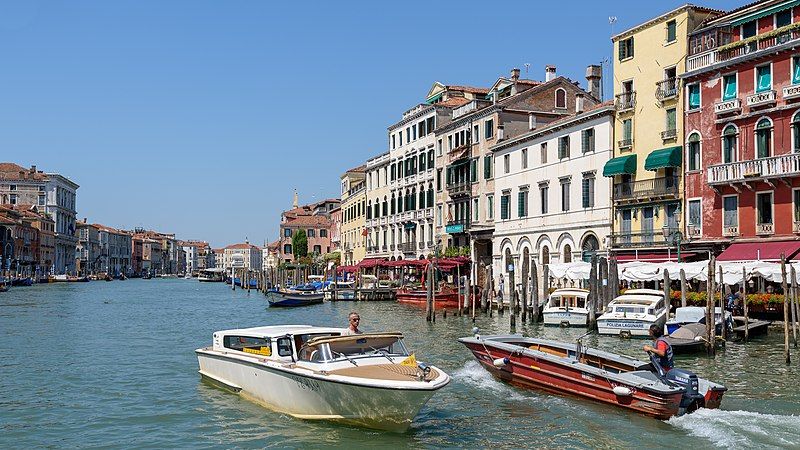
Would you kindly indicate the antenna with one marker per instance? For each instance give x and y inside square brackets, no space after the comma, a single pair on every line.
[611,21]
[527,68]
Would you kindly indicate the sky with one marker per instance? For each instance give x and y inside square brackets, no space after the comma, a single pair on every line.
[201,118]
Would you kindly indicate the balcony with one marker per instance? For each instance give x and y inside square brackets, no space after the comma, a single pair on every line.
[731,231]
[693,231]
[747,48]
[459,189]
[457,226]
[625,101]
[641,239]
[623,144]
[765,228]
[408,247]
[663,187]
[761,99]
[393,247]
[791,92]
[756,169]
[669,134]
[667,89]
[421,245]
[372,248]
[796,226]
[728,107]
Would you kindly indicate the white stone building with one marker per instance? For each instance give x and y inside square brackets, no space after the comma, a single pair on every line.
[377,177]
[553,200]
[242,256]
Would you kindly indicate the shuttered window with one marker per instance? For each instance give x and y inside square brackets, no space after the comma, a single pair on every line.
[487,167]
[587,191]
[522,203]
[563,147]
[504,200]
[587,140]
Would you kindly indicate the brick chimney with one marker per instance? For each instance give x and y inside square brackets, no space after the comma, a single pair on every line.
[549,72]
[594,78]
[531,121]
[579,102]
[33,169]
[514,79]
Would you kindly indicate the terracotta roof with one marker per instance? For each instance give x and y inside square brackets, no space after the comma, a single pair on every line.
[241,247]
[453,102]
[11,171]
[359,169]
[308,220]
[470,89]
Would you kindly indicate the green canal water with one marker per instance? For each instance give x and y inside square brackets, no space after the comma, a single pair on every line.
[112,365]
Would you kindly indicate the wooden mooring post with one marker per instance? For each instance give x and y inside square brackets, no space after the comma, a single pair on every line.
[744,304]
[429,295]
[793,305]
[593,288]
[722,289]
[683,288]
[786,353]
[535,293]
[710,309]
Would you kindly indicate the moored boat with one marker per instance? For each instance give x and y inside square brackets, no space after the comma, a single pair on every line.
[632,313]
[567,307]
[26,281]
[340,290]
[293,297]
[68,279]
[212,275]
[697,314]
[572,369]
[316,373]
[445,297]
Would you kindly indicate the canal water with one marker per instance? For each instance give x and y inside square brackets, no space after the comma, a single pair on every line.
[112,364]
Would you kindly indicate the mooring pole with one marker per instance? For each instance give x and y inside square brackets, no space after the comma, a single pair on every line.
[785,311]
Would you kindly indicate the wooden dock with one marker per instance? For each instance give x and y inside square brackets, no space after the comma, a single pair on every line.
[755,327]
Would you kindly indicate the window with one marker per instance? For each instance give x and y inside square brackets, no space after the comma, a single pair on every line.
[763,138]
[749,29]
[524,158]
[729,144]
[284,346]
[430,159]
[422,198]
[504,201]
[763,78]
[587,140]
[694,96]
[543,194]
[488,129]
[287,249]
[317,249]
[259,346]
[323,233]
[563,147]
[487,167]
[439,147]
[627,131]
[475,209]
[730,215]
[473,170]
[561,98]
[565,184]
[287,232]
[587,190]
[795,133]
[311,233]
[450,142]
[783,18]
[764,206]
[694,219]
[400,138]
[671,36]
[625,48]
[422,161]
[490,207]
[13,199]
[41,199]
[796,205]
[408,134]
[506,163]
[670,119]
[543,152]
[476,133]
[729,87]
[795,69]
[693,150]
[439,212]
[522,203]
[439,180]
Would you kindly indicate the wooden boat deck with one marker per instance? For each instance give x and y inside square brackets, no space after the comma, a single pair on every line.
[393,372]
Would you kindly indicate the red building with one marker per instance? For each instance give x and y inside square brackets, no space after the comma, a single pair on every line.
[742,132]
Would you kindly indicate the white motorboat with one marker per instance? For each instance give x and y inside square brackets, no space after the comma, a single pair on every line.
[697,314]
[567,307]
[632,313]
[310,372]
[340,290]
[212,275]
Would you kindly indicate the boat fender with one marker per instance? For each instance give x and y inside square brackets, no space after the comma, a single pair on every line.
[622,391]
[475,331]
[501,362]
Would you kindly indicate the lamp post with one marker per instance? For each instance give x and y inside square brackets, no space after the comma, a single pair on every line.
[673,236]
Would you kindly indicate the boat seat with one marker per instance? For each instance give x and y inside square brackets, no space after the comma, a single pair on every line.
[547,350]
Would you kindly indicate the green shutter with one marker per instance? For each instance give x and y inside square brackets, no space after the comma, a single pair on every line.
[584,141]
[621,50]
[449,175]
[473,170]
[671,31]
[796,71]
[504,207]
[521,204]
[730,87]
[764,79]
[487,167]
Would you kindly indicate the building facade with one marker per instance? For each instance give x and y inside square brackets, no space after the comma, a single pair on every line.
[242,256]
[742,134]
[647,166]
[87,252]
[352,242]
[315,220]
[377,192]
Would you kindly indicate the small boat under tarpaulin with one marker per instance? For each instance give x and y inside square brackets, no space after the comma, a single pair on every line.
[572,369]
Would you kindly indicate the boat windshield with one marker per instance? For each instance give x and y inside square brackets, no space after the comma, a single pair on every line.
[349,347]
[568,300]
[630,309]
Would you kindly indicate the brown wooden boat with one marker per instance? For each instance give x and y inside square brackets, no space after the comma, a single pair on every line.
[446,296]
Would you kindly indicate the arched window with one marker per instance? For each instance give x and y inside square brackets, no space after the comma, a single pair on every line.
[796,132]
[561,98]
[413,199]
[763,138]
[377,212]
[567,258]
[729,144]
[693,152]
[430,195]
[589,248]
[399,202]
[422,197]
[545,255]
[394,205]
[385,206]
[369,210]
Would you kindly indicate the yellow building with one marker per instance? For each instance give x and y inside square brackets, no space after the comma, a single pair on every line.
[354,204]
[648,149]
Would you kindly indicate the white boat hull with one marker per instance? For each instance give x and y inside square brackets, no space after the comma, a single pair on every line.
[633,327]
[572,318]
[308,396]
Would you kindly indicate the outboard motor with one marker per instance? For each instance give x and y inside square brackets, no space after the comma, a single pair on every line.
[692,399]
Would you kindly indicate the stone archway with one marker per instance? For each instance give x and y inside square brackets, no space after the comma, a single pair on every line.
[589,247]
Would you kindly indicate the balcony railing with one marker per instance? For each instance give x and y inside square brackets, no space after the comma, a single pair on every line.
[693,231]
[728,107]
[761,99]
[641,239]
[791,92]
[666,89]
[765,228]
[408,247]
[739,49]
[669,134]
[656,187]
[730,231]
[625,143]
[459,189]
[743,171]
[625,101]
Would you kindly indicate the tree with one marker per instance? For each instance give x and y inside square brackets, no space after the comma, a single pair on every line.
[300,244]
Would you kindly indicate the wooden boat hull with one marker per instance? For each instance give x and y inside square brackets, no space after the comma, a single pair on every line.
[567,379]
[419,297]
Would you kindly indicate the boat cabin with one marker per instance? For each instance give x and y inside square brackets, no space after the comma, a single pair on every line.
[352,347]
[568,298]
[280,343]
[638,301]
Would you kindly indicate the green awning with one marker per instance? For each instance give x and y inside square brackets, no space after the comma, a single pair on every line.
[434,99]
[765,12]
[618,166]
[666,157]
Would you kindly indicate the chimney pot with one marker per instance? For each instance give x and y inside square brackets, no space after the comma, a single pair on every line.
[500,133]
[531,121]
[579,102]
[515,74]
[549,72]
[594,78]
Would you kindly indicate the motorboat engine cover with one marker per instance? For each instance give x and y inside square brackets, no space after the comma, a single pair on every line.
[692,399]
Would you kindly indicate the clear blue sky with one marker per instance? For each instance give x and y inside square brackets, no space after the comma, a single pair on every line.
[201,117]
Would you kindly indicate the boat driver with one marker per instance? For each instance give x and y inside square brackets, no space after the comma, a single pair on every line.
[662,348]
[352,328]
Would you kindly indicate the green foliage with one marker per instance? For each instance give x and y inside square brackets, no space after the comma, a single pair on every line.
[300,244]
[451,252]
[333,256]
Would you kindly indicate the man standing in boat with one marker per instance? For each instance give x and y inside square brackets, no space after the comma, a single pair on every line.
[662,347]
[352,328]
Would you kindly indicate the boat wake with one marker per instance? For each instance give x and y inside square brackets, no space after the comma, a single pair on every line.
[741,429]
